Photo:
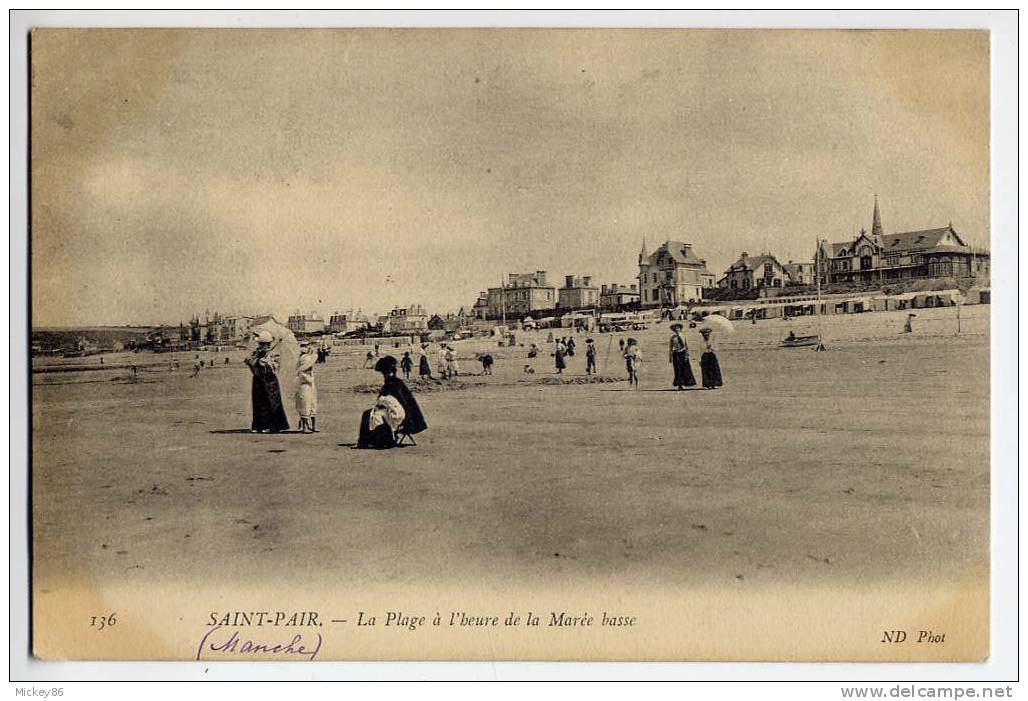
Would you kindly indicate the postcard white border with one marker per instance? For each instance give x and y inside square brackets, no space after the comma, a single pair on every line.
[1003,662]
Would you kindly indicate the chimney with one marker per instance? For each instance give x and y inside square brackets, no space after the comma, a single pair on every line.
[569,281]
[587,281]
[603,289]
[540,276]
[633,288]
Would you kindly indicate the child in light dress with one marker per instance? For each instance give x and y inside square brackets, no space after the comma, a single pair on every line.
[307,391]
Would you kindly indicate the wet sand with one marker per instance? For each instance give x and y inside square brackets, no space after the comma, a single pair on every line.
[867,463]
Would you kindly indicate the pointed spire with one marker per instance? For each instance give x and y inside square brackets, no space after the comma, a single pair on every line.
[876,225]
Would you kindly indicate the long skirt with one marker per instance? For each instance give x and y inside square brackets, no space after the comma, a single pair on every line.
[424,368]
[710,370]
[307,400]
[268,412]
[559,360]
[378,438]
[683,370]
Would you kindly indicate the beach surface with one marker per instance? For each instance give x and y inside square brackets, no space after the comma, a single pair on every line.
[865,463]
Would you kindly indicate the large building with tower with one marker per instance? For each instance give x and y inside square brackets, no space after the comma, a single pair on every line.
[882,257]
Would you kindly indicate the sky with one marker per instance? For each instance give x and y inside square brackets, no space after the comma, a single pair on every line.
[274,171]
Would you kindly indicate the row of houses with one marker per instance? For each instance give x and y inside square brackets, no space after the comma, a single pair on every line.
[671,275]
[674,275]
[522,294]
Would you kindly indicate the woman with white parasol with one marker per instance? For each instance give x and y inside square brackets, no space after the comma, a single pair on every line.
[276,349]
[710,368]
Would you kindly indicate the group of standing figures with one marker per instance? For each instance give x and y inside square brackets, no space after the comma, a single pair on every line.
[565,348]
[678,356]
[396,412]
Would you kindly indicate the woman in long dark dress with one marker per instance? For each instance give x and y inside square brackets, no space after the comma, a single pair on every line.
[269,414]
[558,356]
[395,411]
[679,357]
[710,368]
[424,366]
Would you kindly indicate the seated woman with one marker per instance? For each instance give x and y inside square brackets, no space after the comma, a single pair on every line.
[395,411]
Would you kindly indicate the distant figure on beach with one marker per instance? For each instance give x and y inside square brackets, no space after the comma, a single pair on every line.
[452,369]
[307,391]
[570,346]
[266,396]
[908,326]
[533,351]
[101,360]
[487,364]
[590,357]
[558,356]
[632,355]
[395,411]
[369,360]
[529,370]
[710,368]
[226,360]
[549,337]
[406,364]
[376,350]
[621,344]
[678,356]
[424,366]
[441,361]
[197,367]
[135,372]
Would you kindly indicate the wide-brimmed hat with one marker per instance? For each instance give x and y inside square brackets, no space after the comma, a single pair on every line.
[588,340]
[706,332]
[265,337]
[676,327]
[386,363]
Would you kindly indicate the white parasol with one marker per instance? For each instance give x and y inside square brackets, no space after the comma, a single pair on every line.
[716,322]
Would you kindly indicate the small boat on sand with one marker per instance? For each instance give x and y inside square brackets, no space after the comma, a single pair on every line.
[794,341]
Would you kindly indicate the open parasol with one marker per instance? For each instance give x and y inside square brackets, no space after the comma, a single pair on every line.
[716,322]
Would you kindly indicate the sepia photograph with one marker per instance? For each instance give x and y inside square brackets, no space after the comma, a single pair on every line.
[557,344]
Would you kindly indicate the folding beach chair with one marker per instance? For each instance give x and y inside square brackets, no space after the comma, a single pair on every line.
[404,438]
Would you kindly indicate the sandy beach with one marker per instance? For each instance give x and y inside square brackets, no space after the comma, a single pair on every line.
[866,462]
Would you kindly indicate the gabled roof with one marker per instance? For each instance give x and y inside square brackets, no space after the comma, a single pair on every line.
[752,263]
[917,240]
[839,248]
[679,251]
